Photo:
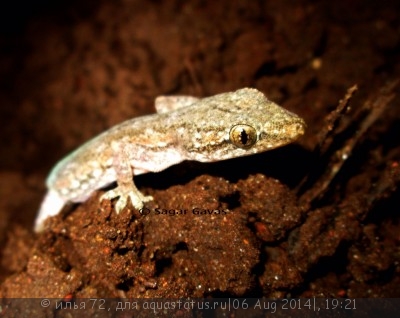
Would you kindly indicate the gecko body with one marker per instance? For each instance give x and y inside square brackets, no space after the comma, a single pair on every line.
[219,127]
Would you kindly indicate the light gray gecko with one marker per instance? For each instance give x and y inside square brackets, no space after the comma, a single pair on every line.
[215,128]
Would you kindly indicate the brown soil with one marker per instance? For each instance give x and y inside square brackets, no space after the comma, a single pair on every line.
[303,221]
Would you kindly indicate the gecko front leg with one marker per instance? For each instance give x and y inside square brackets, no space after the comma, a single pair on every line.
[125,185]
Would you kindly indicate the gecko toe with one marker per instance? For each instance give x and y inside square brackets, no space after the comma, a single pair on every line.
[121,204]
[138,199]
[109,195]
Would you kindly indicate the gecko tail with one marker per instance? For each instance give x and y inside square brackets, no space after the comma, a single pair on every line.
[51,205]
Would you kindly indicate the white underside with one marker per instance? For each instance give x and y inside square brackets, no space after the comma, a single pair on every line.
[51,205]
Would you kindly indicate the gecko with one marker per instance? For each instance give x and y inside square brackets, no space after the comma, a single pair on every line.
[223,126]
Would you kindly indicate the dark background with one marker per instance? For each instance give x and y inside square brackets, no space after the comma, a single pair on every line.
[69,70]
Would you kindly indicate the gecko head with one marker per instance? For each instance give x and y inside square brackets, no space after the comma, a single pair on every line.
[273,128]
[266,126]
[241,123]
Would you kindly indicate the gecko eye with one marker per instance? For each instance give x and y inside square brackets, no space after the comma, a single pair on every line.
[243,136]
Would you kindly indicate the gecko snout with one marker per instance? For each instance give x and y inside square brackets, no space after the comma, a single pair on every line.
[296,128]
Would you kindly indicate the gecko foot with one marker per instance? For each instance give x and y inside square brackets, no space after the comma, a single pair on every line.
[137,198]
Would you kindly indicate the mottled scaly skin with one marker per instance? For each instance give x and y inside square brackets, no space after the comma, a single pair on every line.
[220,127]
